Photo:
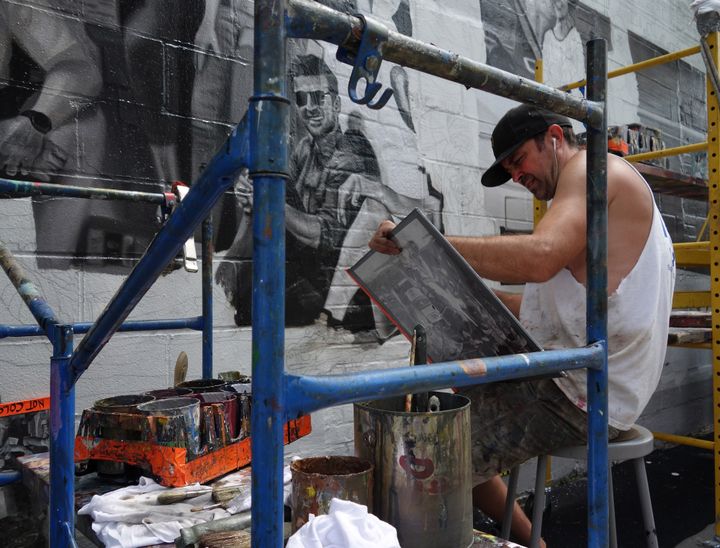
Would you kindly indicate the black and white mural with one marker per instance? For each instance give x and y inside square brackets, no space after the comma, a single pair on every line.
[138,94]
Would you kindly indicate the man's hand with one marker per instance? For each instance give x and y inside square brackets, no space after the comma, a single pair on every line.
[20,145]
[381,241]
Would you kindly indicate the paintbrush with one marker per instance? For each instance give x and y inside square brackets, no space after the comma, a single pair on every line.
[409,397]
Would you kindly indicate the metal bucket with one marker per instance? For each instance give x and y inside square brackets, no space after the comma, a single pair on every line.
[423,474]
[317,480]
[122,404]
[174,422]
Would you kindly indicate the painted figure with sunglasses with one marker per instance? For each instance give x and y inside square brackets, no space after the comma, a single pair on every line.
[322,159]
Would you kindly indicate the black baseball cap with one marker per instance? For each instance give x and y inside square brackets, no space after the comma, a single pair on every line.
[517,126]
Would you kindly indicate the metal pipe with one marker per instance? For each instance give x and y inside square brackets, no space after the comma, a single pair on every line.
[39,308]
[684,440]
[307,19]
[207,302]
[659,60]
[9,476]
[62,434]
[695,147]
[20,189]
[195,324]
[306,393]
[217,177]
[596,315]
[269,163]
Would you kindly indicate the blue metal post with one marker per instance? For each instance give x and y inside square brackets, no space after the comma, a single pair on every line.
[597,379]
[269,115]
[207,302]
[62,429]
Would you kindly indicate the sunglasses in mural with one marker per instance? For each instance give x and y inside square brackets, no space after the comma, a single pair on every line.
[317,97]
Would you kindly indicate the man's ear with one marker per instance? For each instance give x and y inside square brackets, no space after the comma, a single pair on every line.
[556,133]
[336,103]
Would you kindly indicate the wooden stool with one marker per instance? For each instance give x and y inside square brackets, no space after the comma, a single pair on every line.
[634,444]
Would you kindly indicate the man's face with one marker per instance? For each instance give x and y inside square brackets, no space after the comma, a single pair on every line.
[532,165]
[318,107]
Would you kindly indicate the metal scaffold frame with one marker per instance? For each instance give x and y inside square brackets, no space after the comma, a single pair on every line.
[261,144]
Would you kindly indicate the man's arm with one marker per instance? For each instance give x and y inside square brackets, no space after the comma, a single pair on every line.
[558,239]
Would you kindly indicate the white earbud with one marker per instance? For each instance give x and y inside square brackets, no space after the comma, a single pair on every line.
[554,144]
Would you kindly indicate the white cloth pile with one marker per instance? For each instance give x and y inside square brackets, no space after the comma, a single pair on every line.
[347,525]
[131,516]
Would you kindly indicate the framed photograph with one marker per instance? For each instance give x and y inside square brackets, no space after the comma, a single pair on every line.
[429,283]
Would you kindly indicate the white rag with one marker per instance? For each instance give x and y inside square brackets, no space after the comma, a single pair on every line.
[700,7]
[347,525]
[131,517]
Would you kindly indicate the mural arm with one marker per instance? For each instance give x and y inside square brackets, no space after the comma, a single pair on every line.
[70,63]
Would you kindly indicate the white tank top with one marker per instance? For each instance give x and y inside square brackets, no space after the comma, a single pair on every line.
[638,318]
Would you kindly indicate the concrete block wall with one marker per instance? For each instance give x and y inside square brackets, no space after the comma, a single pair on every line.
[141,94]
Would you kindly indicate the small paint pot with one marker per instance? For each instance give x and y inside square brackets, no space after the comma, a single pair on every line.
[240,386]
[122,404]
[318,480]
[230,412]
[164,393]
[174,422]
[203,385]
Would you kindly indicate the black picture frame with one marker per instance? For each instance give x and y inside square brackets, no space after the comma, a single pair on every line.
[429,283]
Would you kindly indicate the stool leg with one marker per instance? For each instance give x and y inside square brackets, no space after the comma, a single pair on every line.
[611,510]
[645,502]
[539,501]
[510,503]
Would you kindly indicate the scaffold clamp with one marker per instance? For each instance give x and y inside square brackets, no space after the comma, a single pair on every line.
[366,64]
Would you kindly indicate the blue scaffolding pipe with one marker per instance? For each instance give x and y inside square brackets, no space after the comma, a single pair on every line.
[596,312]
[28,291]
[269,152]
[217,177]
[62,434]
[9,476]
[10,188]
[207,303]
[308,393]
[196,323]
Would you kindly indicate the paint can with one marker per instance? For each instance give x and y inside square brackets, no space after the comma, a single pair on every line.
[317,480]
[163,393]
[243,388]
[203,385]
[122,404]
[174,422]
[423,468]
[226,417]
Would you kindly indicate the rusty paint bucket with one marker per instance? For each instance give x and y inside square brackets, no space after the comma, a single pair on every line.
[423,474]
[174,422]
[317,480]
[228,418]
